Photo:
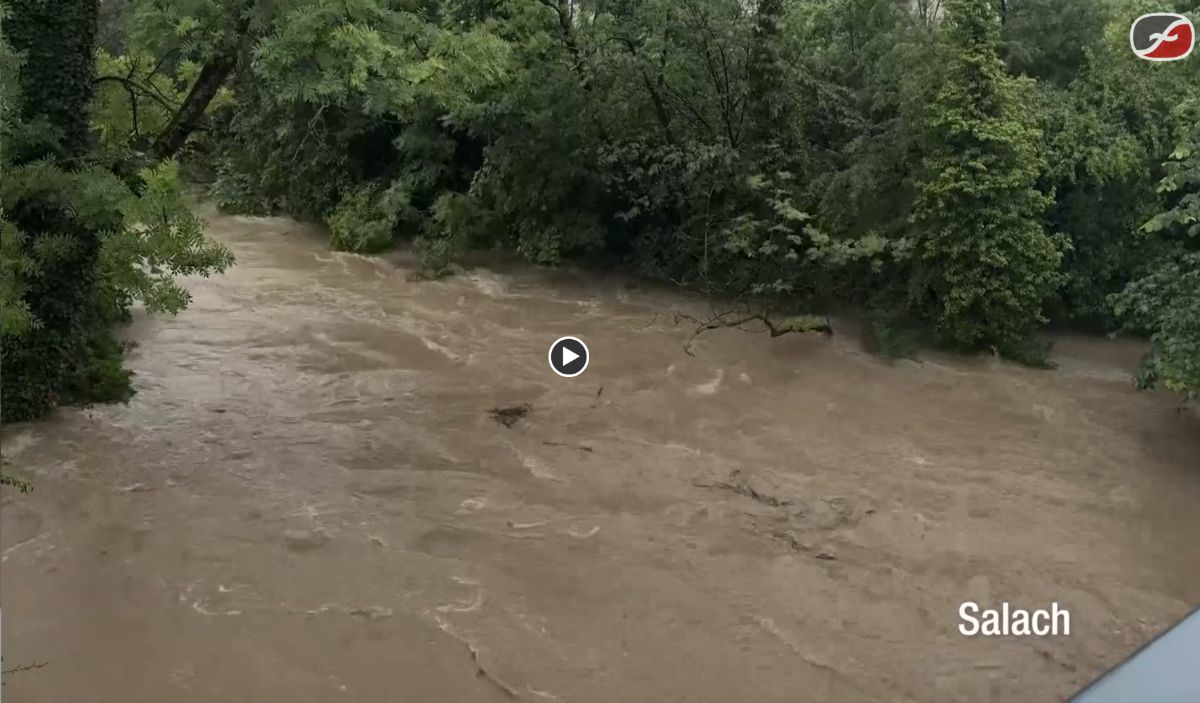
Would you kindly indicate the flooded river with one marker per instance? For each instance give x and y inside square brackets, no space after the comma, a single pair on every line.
[309,500]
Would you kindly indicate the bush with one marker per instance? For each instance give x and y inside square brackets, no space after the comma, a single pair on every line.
[892,336]
[236,191]
[365,220]
[457,221]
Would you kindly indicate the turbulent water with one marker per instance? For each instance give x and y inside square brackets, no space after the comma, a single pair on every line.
[310,500]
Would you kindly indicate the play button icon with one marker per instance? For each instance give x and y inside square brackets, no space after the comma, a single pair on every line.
[568,357]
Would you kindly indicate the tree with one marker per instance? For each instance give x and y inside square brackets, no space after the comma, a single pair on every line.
[1050,39]
[78,243]
[170,62]
[1166,303]
[1107,133]
[56,41]
[43,238]
[984,264]
[222,54]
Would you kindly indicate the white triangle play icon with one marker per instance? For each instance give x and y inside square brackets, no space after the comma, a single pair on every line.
[568,357]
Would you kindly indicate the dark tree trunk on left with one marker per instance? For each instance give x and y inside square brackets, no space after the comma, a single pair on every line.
[58,38]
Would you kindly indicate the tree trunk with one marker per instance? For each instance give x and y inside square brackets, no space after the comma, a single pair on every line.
[58,40]
[763,73]
[769,110]
[190,114]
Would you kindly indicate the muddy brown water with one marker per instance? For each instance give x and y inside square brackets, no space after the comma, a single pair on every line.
[309,501]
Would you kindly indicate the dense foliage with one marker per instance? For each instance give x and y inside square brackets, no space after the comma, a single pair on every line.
[86,229]
[984,261]
[1166,302]
[968,170]
[970,167]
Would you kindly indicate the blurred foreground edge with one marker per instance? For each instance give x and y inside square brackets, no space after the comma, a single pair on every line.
[1165,670]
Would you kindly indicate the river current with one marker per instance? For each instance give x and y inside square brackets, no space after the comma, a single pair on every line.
[310,499]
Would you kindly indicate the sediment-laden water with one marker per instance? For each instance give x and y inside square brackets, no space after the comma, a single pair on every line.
[309,500]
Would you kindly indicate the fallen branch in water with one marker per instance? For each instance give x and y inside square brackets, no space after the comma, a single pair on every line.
[742,487]
[735,319]
[22,486]
[24,667]
[580,447]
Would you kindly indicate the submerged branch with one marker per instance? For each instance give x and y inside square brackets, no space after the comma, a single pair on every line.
[734,319]
[24,667]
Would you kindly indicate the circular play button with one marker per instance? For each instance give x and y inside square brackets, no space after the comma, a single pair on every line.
[568,357]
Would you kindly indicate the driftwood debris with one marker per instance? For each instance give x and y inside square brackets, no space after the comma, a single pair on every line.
[738,318]
[511,414]
[580,447]
[741,486]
